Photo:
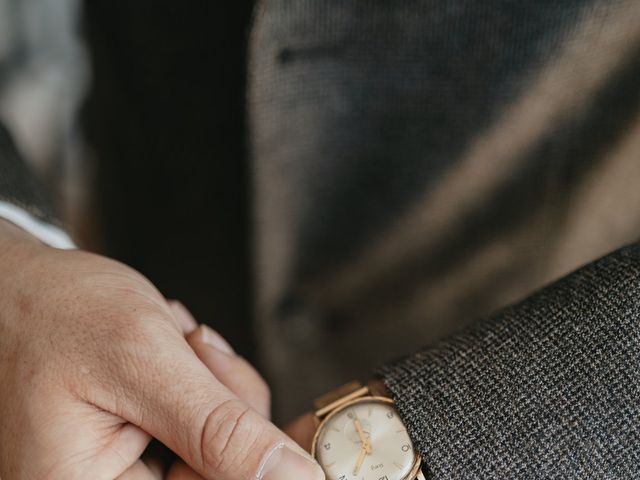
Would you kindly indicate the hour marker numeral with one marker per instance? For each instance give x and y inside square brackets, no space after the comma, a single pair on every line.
[406,448]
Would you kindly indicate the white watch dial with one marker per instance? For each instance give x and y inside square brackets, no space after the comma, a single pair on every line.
[365,441]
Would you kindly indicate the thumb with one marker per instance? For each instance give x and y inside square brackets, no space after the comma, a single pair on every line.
[177,400]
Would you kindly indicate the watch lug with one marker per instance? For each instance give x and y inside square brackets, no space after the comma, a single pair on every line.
[338,397]
[336,394]
[377,388]
[420,476]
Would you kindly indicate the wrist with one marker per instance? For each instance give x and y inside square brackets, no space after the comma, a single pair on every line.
[48,233]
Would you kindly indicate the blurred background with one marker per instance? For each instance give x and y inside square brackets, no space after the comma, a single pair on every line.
[117,113]
[167,109]
[416,165]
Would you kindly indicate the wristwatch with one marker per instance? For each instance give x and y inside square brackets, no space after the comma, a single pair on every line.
[360,436]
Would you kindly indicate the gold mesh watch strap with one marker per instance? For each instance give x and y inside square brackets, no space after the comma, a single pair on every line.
[338,397]
[346,393]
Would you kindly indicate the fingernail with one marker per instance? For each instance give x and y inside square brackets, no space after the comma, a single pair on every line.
[215,340]
[286,464]
[183,316]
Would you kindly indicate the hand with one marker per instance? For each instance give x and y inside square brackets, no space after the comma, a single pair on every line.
[232,371]
[366,449]
[93,364]
[366,443]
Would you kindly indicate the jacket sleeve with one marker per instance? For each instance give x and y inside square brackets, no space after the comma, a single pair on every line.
[18,184]
[548,388]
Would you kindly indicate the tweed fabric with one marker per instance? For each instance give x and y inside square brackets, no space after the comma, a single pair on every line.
[419,164]
[548,388]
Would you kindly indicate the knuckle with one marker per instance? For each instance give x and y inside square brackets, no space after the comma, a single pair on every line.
[229,431]
[131,332]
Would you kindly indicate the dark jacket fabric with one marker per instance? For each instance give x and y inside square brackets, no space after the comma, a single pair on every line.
[418,165]
[548,388]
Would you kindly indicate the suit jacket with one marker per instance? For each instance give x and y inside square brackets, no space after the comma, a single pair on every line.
[418,165]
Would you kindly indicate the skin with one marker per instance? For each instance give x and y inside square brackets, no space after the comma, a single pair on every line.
[302,430]
[94,363]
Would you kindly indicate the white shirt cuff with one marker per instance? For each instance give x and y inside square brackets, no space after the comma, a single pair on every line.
[45,232]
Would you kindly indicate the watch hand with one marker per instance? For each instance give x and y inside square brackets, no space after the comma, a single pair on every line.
[366,440]
[366,449]
[361,434]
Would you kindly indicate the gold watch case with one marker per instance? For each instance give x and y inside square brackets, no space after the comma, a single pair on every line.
[415,472]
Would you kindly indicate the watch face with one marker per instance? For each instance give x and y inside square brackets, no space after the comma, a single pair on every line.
[365,440]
